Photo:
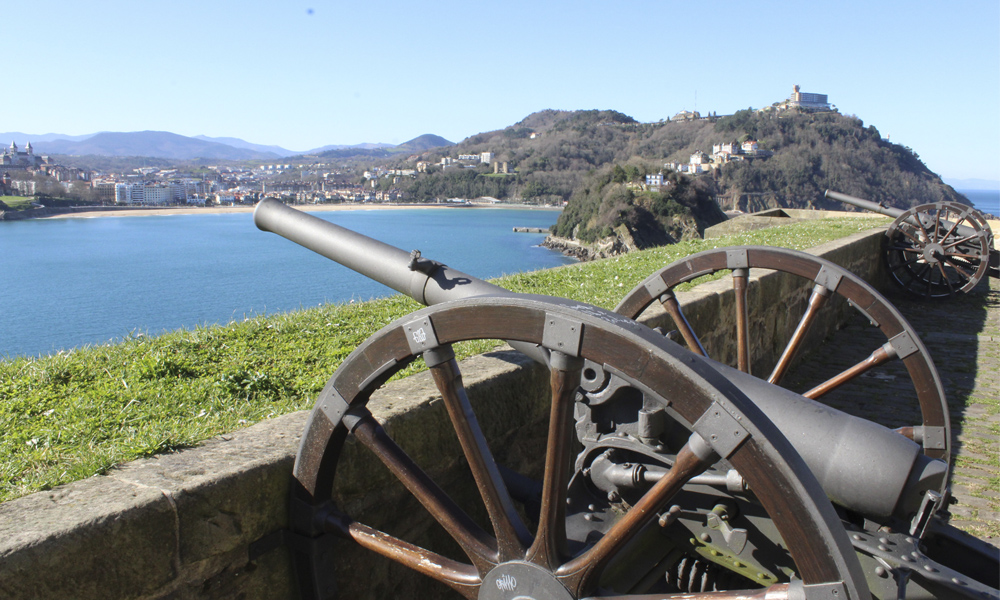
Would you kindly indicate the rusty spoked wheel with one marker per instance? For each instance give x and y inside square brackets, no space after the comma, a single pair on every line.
[498,557]
[934,433]
[938,250]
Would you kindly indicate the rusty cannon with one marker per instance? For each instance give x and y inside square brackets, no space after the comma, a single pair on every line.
[934,250]
[664,473]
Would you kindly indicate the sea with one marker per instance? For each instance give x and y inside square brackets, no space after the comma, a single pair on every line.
[987,201]
[72,282]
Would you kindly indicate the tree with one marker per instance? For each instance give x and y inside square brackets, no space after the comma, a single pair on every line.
[632,173]
[618,174]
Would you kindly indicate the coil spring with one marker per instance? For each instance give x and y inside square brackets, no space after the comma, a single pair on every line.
[693,576]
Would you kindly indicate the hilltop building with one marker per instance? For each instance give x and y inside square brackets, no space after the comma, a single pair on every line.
[12,158]
[807,101]
[804,101]
[687,115]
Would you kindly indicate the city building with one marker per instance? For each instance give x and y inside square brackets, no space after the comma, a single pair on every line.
[105,191]
[148,194]
[12,158]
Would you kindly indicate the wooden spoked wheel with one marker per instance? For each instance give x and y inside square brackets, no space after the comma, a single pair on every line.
[934,433]
[499,557]
[937,250]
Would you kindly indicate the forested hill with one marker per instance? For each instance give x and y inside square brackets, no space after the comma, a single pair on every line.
[549,164]
[553,151]
[818,151]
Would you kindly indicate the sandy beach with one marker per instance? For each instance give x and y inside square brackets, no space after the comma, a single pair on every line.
[196,210]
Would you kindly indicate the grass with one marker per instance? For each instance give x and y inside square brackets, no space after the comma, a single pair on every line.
[75,414]
[18,202]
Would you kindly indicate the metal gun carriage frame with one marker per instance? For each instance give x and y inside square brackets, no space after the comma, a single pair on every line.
[666,474]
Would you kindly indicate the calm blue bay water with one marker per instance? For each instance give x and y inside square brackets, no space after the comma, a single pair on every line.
[985,200]
[69,282]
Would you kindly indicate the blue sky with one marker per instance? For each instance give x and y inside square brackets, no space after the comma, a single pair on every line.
[302,74]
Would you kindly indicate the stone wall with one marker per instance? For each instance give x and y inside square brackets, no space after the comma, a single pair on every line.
[181,525]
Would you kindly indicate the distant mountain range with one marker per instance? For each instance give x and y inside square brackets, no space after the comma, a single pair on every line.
[163,144]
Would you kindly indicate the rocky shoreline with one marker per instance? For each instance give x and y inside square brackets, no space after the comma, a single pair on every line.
[622,241]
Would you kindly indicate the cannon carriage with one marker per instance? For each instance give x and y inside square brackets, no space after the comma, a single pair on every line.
[934,250]
[665,474]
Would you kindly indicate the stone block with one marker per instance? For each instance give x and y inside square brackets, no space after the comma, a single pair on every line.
[96,538]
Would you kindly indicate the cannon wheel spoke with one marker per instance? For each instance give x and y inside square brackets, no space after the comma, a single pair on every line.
[473,540]
[638,356]
[510,531]
[829,279]
[876,358]
[671,306]
[460,577]
[549,547]
[740,288]
[816,301]
[905,249]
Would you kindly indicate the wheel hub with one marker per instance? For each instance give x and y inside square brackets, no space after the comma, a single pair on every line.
[522,581]
[932,251]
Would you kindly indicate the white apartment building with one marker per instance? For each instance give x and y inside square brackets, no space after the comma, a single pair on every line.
[149,195]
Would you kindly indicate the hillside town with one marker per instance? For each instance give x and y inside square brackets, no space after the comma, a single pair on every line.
[25,173]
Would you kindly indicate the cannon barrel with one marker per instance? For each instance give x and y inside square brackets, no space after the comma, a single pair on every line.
[862,466]
[895,213]
[865,204]
[425,281]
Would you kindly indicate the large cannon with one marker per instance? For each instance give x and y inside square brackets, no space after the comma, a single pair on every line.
[666,474]
[934,250]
